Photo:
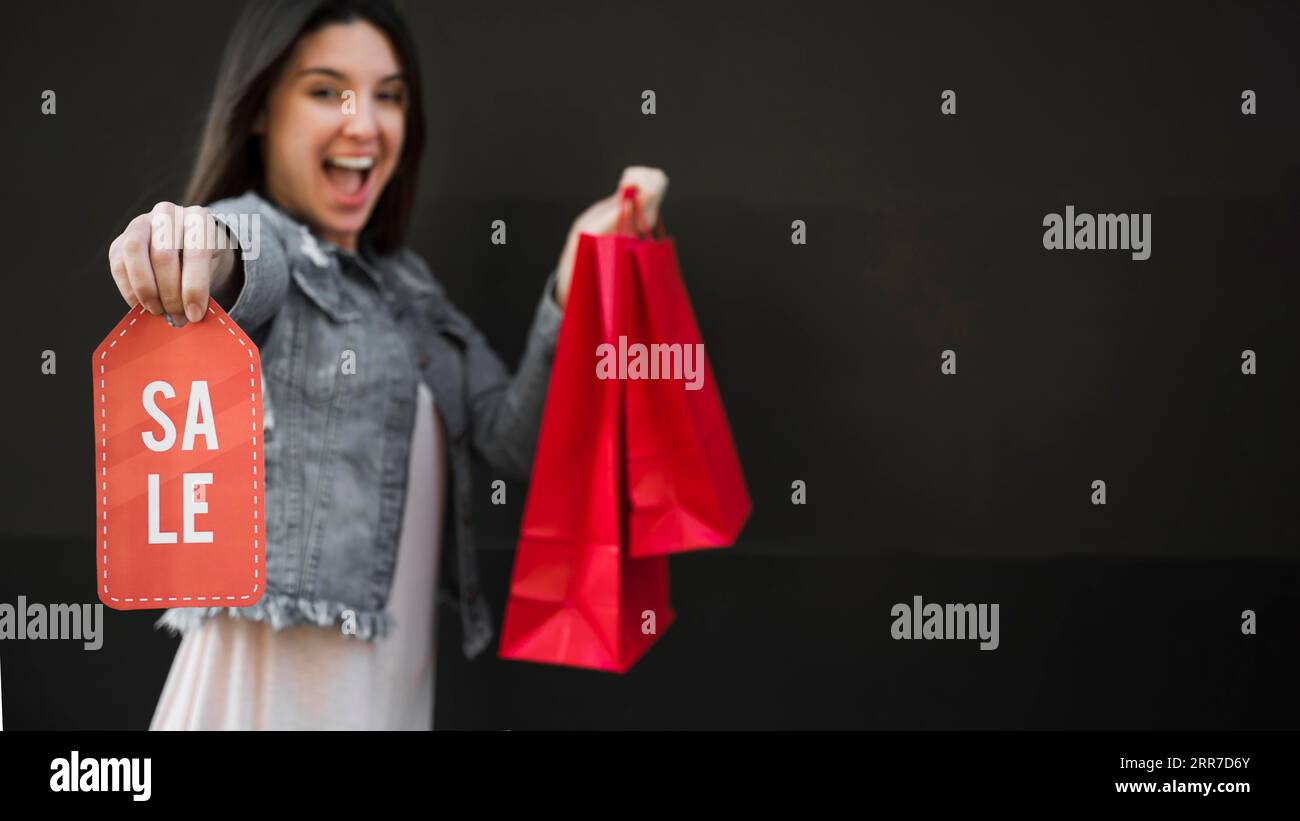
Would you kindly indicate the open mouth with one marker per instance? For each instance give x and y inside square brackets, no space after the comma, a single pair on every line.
[349,176]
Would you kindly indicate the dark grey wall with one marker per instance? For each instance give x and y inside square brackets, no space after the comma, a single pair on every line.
[924,234]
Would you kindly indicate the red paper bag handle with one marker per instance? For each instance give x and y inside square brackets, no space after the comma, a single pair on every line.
[638,221]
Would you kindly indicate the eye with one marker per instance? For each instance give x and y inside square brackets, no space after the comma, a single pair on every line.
[322,93]
[392,96]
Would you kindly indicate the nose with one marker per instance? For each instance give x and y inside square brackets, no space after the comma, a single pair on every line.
[361,125]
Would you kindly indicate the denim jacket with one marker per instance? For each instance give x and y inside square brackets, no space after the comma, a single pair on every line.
[344,337]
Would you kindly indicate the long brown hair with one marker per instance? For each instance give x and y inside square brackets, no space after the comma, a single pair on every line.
[229,161]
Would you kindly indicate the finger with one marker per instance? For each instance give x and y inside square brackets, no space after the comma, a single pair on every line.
[139,271]
[164,255]
[642,170]
[118,270]
[651,184]
[653,202]
[646,202]
[196,264]
[649,180]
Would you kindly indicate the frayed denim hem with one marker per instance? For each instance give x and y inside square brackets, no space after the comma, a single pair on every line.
[282,611]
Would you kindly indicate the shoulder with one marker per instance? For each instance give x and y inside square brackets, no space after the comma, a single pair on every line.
[414,273]
[247,203]
[423,288]
[255,217]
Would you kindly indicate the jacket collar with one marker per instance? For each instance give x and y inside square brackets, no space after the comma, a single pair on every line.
[312,252]
[316,264]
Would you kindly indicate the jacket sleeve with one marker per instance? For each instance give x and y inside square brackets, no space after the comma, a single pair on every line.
[505,411]
[264,257]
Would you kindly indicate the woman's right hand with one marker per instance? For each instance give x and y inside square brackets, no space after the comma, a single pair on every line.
[170,260]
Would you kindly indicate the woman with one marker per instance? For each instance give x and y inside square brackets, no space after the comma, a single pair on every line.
[375,386]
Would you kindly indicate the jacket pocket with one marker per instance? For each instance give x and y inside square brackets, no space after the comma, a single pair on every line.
[329,358]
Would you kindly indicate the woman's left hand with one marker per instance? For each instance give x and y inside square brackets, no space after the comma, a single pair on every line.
[602,218]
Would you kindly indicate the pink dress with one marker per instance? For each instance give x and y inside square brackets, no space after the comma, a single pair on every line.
[238,674]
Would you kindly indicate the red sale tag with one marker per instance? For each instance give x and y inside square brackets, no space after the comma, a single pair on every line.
[178,428]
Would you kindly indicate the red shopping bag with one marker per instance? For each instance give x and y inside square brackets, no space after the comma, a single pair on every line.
[576,596]
[634,461]
[685,483]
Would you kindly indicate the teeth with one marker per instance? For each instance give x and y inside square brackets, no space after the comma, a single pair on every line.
[354,163]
